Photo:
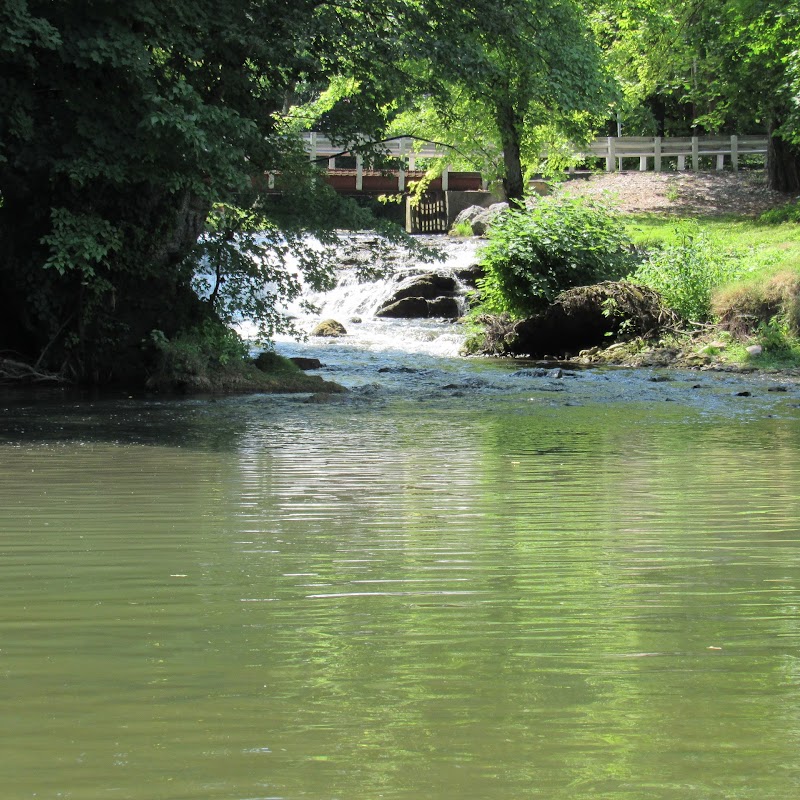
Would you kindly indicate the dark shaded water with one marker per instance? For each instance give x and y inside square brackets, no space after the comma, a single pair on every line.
[522,586]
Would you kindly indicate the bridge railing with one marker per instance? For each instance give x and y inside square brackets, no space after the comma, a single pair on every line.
[657,153]
[654,152]
[405,150]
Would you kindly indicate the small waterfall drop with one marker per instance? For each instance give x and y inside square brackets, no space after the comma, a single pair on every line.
[353,302]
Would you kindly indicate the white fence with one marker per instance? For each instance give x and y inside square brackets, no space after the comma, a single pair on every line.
[655,153]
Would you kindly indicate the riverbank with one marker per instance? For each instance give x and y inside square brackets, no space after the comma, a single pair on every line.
[733,218]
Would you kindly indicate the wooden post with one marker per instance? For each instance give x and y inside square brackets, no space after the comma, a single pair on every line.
[681,163]
[359,173]
[695,154]
[401,173]
[446,178]
[735,153]
[657,154]
[610,159]
[720,162]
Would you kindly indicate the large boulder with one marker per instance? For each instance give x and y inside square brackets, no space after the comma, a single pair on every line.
[467,215]
[329,327]
[429,286]
[483,221]
[428,295]
[405,308]
[445,307]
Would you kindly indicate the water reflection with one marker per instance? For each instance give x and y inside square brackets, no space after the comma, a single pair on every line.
[241,600]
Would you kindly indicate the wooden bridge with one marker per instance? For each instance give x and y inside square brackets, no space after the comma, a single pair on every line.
[348,172]
[390,173]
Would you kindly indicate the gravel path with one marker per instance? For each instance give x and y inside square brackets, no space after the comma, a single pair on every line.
[681,193]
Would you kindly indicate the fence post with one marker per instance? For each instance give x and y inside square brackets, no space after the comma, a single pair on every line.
[401,173]
[695,154]
[359,173]
[610,155]
[735,153]
[657,154]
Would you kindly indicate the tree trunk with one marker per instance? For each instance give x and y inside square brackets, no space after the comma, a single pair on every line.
[510,126]
[783,164]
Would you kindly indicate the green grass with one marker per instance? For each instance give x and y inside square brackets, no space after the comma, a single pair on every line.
[767,255]
[767,249]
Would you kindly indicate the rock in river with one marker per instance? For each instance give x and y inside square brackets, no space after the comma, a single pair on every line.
[330,327]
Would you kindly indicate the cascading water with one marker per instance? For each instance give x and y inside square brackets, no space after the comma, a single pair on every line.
[373,342]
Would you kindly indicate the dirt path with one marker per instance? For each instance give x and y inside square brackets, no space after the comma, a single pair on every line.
[681,193]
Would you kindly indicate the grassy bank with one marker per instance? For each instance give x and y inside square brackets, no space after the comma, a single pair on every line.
[758,304]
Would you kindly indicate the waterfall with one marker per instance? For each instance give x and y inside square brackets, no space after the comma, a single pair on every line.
[353,302]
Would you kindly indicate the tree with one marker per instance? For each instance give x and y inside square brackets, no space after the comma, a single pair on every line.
[711,66]
[504,80]
[125,124]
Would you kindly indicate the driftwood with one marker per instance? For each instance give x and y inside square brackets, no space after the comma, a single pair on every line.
[17,372]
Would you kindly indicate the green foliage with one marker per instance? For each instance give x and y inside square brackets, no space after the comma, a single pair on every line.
[124,125]
[80,242]
[559,243]
[778,216]
[686,271]
[197,352]
[526,76]
[462,229]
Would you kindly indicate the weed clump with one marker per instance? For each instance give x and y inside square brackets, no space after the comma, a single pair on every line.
[687,272]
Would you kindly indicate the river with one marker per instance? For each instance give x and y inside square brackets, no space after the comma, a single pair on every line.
[463,579]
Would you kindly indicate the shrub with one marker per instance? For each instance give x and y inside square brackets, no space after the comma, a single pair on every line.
[198,352]
[561,242]
[685,273]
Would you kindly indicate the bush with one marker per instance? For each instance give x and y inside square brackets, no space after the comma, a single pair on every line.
[685,273]
[196,353]
[561,242]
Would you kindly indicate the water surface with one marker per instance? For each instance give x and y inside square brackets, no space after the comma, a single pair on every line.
[403,595]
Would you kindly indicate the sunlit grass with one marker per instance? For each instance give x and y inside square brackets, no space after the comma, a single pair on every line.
[766,249]
[768,272]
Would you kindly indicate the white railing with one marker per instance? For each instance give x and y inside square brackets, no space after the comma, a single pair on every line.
[652,152]
[655,150]
[405,149]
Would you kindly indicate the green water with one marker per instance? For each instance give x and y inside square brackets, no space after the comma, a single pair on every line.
[262,599]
